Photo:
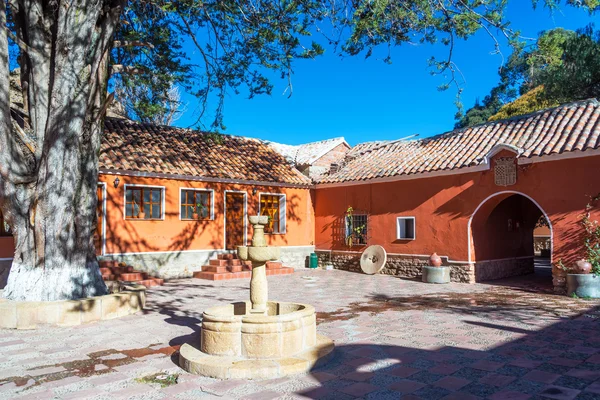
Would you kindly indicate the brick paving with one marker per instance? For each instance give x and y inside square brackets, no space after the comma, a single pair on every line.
[395,339]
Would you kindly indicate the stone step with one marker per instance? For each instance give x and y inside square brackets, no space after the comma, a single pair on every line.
[150,282]
[132,276]
[108,263]
[109,277]
[224,268]
[225,262]
[122,270]
[226,256]
[216,276]
[274,265]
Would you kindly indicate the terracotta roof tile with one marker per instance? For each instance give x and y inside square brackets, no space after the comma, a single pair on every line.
[168,150]
[570,127]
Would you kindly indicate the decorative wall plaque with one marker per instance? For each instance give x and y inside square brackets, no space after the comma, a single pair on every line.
[505,171]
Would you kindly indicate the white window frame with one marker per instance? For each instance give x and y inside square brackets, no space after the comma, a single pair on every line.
[135,185]
[282,211]
[212,202]
[398,219]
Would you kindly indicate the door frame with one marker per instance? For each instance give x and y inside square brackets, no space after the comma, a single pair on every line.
[225,216]
[103,233]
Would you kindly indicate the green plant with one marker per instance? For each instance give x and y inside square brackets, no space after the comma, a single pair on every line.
[161,378]
[591,239]
[354,234]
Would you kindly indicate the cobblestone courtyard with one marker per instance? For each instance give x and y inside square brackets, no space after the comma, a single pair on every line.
[395,338]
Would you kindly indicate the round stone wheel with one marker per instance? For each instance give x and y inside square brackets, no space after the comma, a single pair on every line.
[373,259]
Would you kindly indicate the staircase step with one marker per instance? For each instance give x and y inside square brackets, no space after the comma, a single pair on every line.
[226,256]
[133,276]
[222,269]
[274,265]
[104,270]
[122,270]
[109,277]
[150,282]
[216,276]
[108,263]
[218,262]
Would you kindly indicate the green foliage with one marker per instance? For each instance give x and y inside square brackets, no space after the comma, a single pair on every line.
[562,66]
[162,378]
[531,101]
[237,47]
[591,239]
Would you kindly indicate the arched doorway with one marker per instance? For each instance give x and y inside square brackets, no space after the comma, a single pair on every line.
[503,244]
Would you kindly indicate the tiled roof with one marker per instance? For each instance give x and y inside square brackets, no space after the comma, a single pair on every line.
[140,147]
[308,153]
[567,128]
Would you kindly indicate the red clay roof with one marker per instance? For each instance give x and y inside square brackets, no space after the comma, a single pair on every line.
[132,146]
[567,128]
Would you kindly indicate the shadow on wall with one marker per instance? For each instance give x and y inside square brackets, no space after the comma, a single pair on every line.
[131,235]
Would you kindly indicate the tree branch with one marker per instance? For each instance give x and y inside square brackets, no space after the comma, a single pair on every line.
[131,43]
[126,69]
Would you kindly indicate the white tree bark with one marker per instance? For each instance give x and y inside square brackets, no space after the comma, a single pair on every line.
[49,172]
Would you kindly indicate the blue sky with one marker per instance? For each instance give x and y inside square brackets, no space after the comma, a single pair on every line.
[364,100]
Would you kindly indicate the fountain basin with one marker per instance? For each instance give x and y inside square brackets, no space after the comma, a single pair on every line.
[286,330]
[237,344]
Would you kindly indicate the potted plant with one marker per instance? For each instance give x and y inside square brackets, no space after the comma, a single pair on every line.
[194,212]
[201,210]
[583,278]
[138,212]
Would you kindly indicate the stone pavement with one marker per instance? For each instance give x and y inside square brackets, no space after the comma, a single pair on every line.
[395,339]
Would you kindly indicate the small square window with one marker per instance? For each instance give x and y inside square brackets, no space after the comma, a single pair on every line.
[405,228]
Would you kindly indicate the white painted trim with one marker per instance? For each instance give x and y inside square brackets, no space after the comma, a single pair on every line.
[202,179]
[212,201]
[225,216]
[163,200]
[7,259]
[465,170]
[498,148]
[103,238]
[470,235]
[284,216]
[182,251]
[398,228]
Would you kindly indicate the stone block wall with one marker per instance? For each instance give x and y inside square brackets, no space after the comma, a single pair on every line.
[404,266]
[497,269]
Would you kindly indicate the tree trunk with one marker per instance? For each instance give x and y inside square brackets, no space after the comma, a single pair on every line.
[49,197]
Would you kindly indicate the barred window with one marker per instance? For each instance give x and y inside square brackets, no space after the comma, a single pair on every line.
[356,229]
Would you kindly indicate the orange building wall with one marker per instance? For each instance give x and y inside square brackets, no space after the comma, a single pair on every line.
[173,234]
[443,206]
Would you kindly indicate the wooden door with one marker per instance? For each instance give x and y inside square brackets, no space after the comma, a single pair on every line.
[234,220]
[99,234]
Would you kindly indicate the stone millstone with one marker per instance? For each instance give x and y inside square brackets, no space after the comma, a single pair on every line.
[373,260]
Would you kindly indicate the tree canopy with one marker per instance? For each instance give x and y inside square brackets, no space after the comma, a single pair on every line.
[561,66]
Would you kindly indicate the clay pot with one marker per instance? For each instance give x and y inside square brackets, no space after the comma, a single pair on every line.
[582,267]
[435,260]
[194,215]
[141,215]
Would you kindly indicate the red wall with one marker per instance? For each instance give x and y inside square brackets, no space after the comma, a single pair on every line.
[443,206]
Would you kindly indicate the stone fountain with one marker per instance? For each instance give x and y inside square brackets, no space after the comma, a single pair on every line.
[257,338]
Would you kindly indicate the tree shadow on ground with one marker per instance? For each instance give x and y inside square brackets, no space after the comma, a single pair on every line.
[558,361]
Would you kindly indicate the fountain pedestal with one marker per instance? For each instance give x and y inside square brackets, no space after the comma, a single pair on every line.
[257,338]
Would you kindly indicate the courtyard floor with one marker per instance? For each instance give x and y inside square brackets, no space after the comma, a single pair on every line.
[394,338]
